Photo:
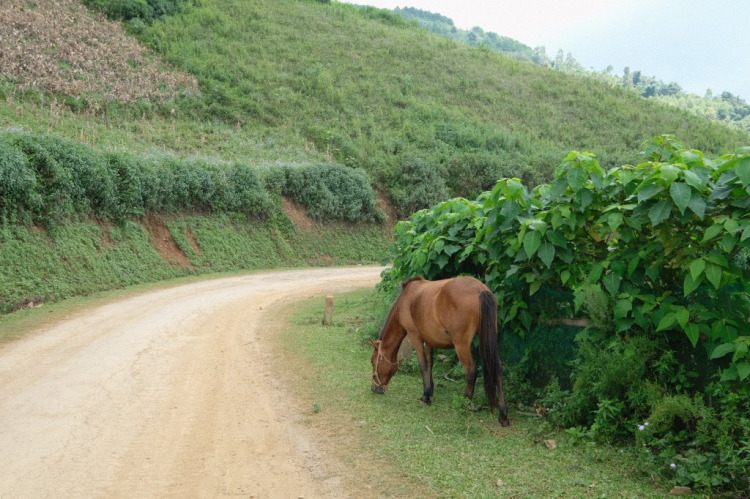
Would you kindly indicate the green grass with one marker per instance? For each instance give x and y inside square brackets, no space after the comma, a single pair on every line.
[81,258]
[438,451]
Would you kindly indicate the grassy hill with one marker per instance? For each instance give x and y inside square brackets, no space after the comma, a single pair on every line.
[235,91]
[297,80]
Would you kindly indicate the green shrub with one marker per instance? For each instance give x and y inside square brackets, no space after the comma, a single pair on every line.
[48,180]
[18,196]
[332,192]
[418,184]
[145,10]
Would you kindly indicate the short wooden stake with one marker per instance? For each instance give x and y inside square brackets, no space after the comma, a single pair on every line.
[328,317]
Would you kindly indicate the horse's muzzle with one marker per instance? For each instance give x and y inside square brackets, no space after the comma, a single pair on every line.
[377,389]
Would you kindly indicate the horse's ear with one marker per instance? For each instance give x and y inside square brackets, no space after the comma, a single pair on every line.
[374,344]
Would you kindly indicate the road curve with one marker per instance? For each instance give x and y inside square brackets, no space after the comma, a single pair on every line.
[165,394]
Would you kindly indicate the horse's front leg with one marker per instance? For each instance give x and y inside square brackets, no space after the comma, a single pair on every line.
[425,358]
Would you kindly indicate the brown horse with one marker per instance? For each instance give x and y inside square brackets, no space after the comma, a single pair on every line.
[443,314]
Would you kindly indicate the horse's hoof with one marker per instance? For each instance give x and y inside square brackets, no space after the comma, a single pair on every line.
[426,402]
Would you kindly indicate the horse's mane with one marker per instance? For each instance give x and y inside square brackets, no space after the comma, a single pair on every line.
[396,301]
[410,280]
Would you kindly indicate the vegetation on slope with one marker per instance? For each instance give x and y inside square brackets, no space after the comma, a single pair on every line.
[724,107]
[364,88]
[51,189]
[385,96]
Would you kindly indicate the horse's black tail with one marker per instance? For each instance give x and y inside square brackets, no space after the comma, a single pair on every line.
[492,368]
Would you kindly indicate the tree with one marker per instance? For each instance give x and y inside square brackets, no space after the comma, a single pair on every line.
[559,60]
[627,78]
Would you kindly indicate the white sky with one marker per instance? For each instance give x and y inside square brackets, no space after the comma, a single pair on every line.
[696,43]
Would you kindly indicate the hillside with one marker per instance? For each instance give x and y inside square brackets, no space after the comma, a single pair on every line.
[240,108]
[724,107]
[426,117]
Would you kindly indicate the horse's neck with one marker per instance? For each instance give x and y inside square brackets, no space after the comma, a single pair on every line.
[393,334]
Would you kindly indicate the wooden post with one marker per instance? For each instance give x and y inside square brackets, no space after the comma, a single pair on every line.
[328,316]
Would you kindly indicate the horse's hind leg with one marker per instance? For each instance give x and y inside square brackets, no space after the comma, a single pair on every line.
[470,368]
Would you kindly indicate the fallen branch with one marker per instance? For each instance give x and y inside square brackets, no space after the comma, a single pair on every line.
[565,321]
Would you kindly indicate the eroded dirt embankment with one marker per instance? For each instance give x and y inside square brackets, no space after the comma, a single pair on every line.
[171,393]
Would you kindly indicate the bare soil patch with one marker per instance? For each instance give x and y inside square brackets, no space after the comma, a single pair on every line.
[385,204]
[164,243]
[297,215]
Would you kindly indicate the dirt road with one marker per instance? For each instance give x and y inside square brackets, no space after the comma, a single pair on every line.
[166,394]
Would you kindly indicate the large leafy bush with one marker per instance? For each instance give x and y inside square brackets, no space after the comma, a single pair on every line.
[653,257]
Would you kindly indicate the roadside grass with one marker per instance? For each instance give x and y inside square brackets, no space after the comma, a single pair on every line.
[76,259]
[444,450]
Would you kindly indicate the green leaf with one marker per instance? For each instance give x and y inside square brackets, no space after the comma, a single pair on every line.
[713,273]
[728,242]
[681,194]
[722,350]
[743,369]
[622,307]
[667,322]
[586,198]
[690,284]
[660,212]
[669,173]
[648,192]
[633,265]
[513,269]
[729,374]
[743,170]
[683,316]
[697,205]
[576,178]
[534,287]
[697,267]
[547,254]
[731,226]
[531,242]
[693,332]
[442,260]
[694,180]
[564,276]
[595,273]
[712,232]
[558,188]
[718,259]
[451,248]
[612,283]
[556,238]
[614,221]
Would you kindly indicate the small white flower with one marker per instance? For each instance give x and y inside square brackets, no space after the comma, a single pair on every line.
[642,427]
[673,466]
[645,424]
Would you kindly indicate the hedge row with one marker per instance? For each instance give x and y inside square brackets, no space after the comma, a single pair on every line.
[47,180]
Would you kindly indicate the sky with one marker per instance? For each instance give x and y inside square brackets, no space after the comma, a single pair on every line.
[699,44]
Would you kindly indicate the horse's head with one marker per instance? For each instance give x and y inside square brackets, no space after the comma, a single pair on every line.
[382,369]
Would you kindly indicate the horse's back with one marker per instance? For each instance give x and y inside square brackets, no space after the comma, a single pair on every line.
[440,310]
